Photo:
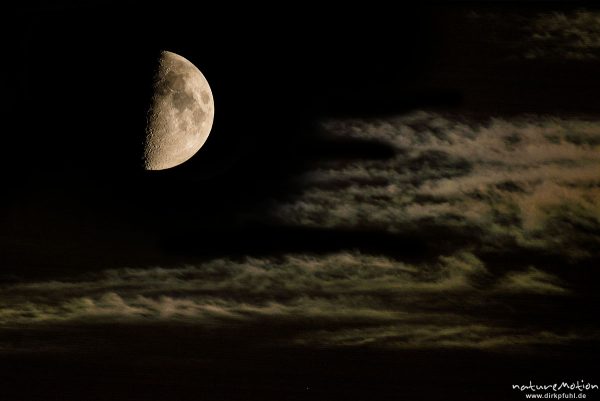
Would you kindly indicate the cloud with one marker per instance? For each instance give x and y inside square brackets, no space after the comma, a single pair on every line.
[514,181]
[426,336]
[532,280]
[339,299]
[572,35]
[567,35]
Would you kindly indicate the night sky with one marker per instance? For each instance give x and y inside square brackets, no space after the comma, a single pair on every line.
[392,204]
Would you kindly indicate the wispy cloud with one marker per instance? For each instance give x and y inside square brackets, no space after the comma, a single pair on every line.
[337,299]
[532,280]
[532,181]
[415,336]
[559,35]
[566,35]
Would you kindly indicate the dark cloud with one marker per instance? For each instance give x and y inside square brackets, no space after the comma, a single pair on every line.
[573,35]
[553,33]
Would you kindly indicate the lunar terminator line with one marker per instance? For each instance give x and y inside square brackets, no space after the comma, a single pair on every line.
[180,115]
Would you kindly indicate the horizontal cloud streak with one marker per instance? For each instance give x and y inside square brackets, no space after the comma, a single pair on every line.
[560,35]
[333,300]
[433,336]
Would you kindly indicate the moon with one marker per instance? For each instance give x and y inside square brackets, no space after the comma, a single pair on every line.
[180,115]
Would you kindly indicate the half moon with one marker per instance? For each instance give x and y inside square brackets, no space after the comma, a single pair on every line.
[181,113]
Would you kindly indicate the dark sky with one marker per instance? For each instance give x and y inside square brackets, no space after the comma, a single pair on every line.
[392,203]
[88,68]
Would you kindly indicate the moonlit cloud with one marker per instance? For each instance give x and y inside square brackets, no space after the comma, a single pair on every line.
[567,35]
[555,36]
[531,181]
[337,300]
[428,336]
[532,280]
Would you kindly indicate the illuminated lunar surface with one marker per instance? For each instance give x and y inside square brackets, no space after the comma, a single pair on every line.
[181,113]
